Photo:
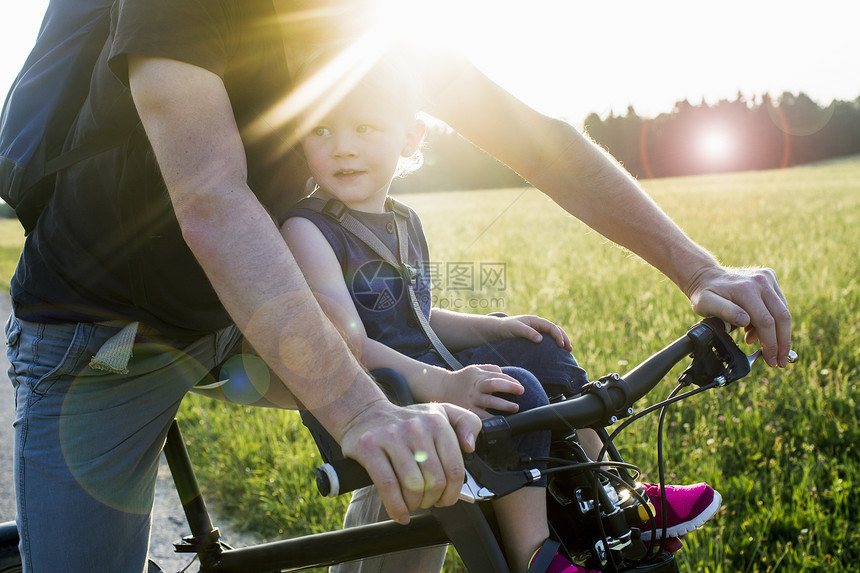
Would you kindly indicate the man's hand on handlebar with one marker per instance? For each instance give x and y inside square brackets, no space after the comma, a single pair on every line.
[413,453]
[750,298]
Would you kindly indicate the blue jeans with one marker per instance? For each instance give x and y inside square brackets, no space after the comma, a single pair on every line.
[87,442]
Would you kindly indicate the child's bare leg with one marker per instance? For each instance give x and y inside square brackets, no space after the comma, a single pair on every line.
[590,442]
[522,521]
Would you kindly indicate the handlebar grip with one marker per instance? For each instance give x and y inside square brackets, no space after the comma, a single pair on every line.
[341,476]
[719,322]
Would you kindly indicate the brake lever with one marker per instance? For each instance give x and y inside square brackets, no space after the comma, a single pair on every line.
[792,357]
[472,491]
[497,483]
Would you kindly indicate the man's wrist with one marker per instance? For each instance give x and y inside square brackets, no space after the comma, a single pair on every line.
[349,409]
[692,267]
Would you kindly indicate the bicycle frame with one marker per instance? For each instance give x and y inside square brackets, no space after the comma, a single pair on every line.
[465,525]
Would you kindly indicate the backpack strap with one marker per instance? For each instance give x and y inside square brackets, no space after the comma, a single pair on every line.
[338,212]
[94,146]
[33,191]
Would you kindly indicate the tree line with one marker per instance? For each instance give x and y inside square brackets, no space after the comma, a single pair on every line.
[739,135]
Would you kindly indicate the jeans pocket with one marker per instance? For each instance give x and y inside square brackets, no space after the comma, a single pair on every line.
[13,331]
[45,353]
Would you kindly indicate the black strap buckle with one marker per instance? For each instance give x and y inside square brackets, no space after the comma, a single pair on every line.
[410,273]
[335,209]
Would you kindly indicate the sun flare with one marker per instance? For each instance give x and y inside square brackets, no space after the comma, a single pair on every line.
[362,32]
[443,19]
[716,144]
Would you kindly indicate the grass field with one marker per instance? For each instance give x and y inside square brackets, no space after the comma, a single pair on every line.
[781,446]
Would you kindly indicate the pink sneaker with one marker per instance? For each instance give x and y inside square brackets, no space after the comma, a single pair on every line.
[688,507]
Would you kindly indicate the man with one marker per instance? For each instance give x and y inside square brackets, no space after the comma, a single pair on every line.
[129,288]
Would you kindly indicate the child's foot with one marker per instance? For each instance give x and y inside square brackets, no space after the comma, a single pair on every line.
[558,564]
[688,507]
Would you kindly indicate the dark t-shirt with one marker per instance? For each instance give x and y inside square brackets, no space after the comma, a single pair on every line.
[108,245]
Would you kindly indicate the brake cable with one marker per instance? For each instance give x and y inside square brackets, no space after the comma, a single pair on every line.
[662,404]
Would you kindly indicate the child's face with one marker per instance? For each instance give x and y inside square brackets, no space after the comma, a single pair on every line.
[354,149]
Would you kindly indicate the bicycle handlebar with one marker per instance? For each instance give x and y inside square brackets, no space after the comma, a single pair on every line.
[597,405]
[716,359]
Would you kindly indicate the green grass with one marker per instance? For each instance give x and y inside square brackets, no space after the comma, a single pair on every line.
[781,446]
[11,241]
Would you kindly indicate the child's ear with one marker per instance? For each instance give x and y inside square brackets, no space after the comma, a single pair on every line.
[414,137]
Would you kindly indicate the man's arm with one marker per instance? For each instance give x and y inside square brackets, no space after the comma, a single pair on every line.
[189,121]
[589,184]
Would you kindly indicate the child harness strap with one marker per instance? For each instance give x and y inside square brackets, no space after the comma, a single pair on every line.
[338,212]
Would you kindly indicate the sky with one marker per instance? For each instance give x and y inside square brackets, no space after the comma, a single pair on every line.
[569,58]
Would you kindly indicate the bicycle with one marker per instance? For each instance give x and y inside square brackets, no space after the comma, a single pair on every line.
[595,507]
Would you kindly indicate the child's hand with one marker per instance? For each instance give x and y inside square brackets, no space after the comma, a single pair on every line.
[532,328]
[473,387]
